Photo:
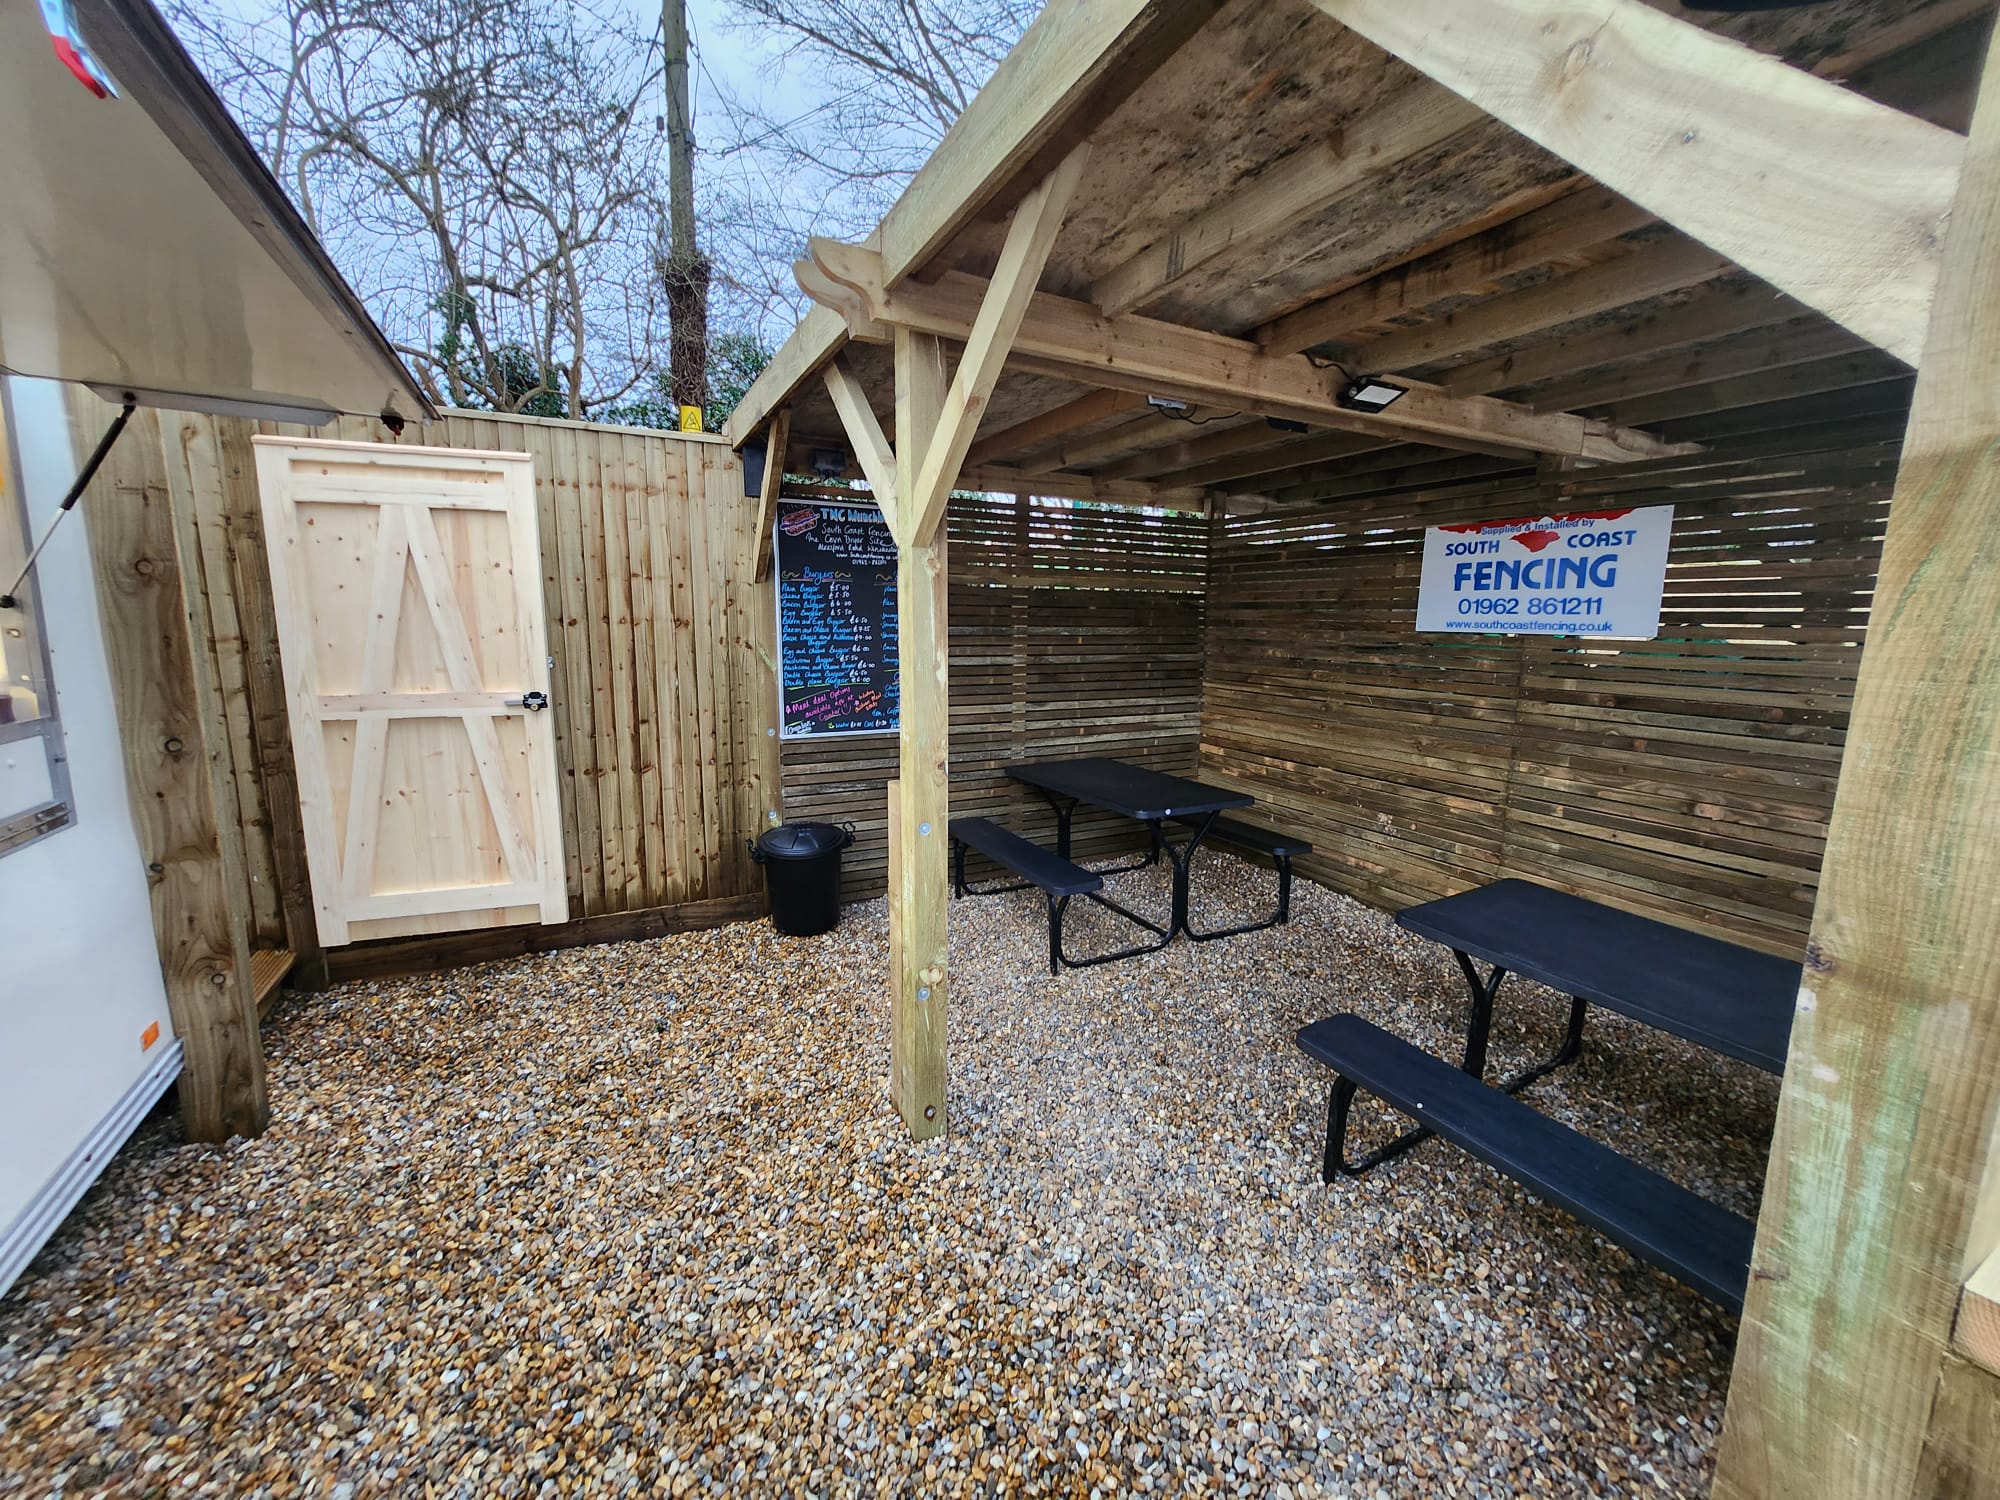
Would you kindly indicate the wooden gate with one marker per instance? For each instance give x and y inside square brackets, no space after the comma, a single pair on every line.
[407,585]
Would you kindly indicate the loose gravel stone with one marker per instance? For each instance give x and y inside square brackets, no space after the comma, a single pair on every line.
[638,1219]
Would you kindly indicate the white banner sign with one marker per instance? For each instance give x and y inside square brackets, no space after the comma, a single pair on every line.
[1595,572]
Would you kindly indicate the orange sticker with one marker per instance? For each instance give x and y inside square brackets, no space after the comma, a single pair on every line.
[149,1036]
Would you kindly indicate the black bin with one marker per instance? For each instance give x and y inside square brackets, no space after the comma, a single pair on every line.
[802,873]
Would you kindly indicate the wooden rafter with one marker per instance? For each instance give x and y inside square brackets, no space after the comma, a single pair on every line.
[1229,472]
[1760,350]
[1713,311]
[1570,224]
[1306,182]
[1050,425]
[1125,437]
[1149,355]
[1651,270]
[1188,451]
[777,437]
[1000,479]
[1831,197]
[1848,370]
[816,340]
[1079,61]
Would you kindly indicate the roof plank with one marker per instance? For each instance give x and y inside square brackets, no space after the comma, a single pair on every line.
[1825,194]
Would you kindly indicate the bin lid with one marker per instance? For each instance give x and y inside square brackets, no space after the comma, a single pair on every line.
[803,840]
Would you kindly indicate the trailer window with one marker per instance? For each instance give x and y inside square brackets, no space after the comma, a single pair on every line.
[34,784]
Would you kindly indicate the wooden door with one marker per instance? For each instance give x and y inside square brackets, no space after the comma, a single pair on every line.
[409,603]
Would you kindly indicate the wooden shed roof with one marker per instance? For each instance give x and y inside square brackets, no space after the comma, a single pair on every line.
[1261,172]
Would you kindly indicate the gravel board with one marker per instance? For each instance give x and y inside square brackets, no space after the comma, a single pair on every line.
[639,1219]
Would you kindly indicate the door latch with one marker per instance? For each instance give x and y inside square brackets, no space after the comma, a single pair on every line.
[534,703]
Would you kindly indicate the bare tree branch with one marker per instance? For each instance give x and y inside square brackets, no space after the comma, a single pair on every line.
[483,170]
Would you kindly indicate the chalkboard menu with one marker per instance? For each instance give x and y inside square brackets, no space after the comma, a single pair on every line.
[836,568]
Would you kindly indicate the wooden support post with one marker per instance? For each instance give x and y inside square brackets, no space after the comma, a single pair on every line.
[148,569]
[1887,1123]
[919,989]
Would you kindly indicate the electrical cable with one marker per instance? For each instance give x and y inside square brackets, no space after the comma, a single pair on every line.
[1194,421]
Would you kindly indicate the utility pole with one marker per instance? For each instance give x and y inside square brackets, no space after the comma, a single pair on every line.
[686,269]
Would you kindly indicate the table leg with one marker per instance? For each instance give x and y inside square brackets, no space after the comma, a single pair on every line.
[1479,1029]
[1479,1022]
[1063,807]
[1183,858]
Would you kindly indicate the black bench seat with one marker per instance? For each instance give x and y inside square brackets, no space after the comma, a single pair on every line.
[1054,876]
[1696,1241]
[1280,847]
[1034,864]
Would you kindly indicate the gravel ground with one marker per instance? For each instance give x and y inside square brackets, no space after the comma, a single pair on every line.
[638,1219]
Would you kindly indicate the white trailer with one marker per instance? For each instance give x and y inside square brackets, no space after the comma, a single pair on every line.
[146,252]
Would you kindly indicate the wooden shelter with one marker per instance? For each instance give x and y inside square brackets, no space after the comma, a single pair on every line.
[1609,249]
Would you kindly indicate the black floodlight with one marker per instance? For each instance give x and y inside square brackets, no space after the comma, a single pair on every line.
[829,463]
[1370,394]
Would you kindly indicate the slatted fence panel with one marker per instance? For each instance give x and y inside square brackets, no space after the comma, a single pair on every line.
[661,684]
[1688,777]
[1075,630]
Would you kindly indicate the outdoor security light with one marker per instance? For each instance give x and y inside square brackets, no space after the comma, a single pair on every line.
[829,463]
[1370,394]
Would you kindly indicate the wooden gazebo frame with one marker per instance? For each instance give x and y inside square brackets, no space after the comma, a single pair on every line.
[1119,215]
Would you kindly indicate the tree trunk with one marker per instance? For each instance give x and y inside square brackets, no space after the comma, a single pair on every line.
[686,271]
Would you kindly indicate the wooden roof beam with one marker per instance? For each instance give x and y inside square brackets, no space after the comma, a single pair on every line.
[1308,181]
[1140,432]
[1074,65]
[1564,227]
[1190,451]
[1001,479]
[1760,351]
[1084,411]
[1148,355]
[1825,194]
[1651,270]
[1715,311]
[1228,473]
[815,341]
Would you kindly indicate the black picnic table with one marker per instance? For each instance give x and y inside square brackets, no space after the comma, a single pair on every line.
[1722,996]
[1719,995]
[1147,796]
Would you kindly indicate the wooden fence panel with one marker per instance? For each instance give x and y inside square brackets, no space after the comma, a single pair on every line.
[1688,777]
[1074,631]
[646,578]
